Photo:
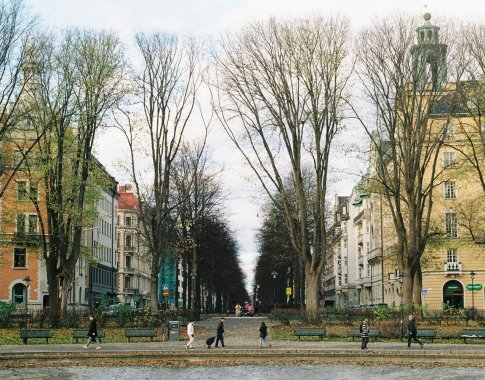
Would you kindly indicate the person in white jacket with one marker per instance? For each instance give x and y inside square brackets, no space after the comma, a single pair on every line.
[190,333]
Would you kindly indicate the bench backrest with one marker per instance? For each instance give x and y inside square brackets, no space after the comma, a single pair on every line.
[310,330]
[372,332]
[427,331]
[84,333]
[140,332]
[35,333]
[474,332]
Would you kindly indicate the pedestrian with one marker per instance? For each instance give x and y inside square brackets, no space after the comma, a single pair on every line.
[364,333]
[220,333]
[92,333]
[190,334]
[413,331]
[238,310]
[263,334]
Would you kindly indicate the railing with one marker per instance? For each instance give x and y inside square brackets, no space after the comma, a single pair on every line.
[26,238]
[376,252]
[129,290]
[129,270]
[453,267]
[359,216]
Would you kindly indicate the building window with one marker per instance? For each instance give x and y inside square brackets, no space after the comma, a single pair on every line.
[127,282]
[20,223]
[128,220]
[18,294]
[452,255]
[32,229]
[449,159]
[128,241]
[22,194]
[448,129]
[451,225]
[19,258]
[128,262]
[450,189]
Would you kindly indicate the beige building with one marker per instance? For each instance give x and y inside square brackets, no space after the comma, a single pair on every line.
[134,260]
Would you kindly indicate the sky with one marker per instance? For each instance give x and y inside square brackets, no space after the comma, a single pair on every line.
[208,18]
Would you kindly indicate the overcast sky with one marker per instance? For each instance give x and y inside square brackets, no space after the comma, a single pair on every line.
[208,18]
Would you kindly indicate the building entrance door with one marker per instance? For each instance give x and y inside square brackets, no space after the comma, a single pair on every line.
[453,294]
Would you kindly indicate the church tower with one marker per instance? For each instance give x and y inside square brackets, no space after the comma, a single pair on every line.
[429,57]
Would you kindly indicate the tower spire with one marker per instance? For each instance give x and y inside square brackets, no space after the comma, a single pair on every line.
[429,56]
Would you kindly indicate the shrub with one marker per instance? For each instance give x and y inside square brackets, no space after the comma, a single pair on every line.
[6,311]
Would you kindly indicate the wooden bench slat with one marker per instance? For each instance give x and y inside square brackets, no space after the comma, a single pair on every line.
[310,331]
[373,333]
[83,334]
[27,334]
[140,333]
[472,333]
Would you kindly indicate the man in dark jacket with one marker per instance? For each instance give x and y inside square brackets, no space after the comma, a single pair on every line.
[220,333]
[92,333]
[413,331]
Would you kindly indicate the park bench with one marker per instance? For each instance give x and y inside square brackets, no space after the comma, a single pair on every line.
[140,333]
[83,334]
[373,333]
[472,333]
[27,334]
[310,331]
[426,333]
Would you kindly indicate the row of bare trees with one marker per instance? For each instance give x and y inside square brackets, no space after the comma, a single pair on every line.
[281,89]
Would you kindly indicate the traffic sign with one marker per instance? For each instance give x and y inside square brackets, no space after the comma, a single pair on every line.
[424,292]
[164,287]
[165,293]
[474,286]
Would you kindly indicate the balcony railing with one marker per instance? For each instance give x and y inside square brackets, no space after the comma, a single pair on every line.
[129,290]
[23,237]
[129,270]
[375,253]
[453,267]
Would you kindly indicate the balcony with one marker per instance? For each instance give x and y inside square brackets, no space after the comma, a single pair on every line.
[129,290]
[22,237]
[361,260]
[453,267]
[360,239]
[376,253]
[359,217]
[129,270]
[130,247]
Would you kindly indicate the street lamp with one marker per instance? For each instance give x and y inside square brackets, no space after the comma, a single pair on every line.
[274,274]
[472,275]
[194,298]
[401,280]
[27,283]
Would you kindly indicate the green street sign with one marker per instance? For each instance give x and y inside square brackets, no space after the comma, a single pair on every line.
[474,286]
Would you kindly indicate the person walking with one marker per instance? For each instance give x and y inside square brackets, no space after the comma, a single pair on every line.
[263,334]
[413,331]
[92,333]
[238,310]
[220,333]
[190,334]
[364,333]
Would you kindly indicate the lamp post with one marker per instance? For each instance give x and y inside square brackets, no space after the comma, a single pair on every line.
[472,276]
[274,274]
[401,280]
[194,298]
[27,283]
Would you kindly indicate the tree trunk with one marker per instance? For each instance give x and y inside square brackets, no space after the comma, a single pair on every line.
[52,282]
[154,290]
[312,281]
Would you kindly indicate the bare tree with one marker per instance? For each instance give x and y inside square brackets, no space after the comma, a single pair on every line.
[402,81]
[196,189]
[16,30]
[468,99]
[166,87]
[280,94]
[77,82]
